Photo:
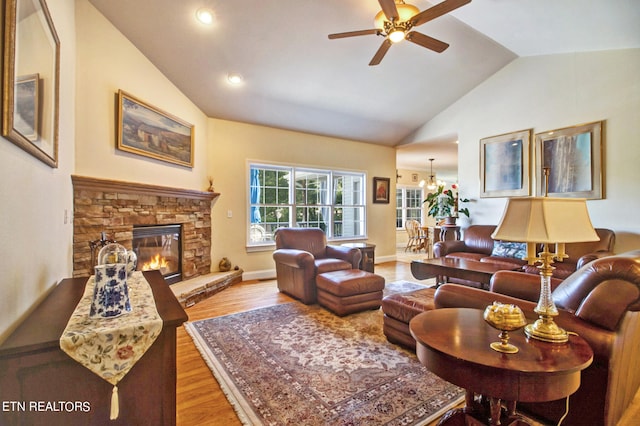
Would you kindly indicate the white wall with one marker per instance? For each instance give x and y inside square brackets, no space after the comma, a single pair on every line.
[551,92]
[233,144]
[36,242]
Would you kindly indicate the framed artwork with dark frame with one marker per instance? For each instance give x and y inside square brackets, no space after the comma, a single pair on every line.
[148,131]
[574,158]
[504,165]
[381,188]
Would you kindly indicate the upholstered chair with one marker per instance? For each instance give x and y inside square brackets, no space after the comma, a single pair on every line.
[301,254]
[601,303]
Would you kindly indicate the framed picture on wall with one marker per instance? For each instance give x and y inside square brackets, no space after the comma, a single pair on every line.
[381,187]
[573,156]
[26,106]
[151,132]
[504,165]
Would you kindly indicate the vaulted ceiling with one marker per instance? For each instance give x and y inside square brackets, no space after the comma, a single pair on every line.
[295,78]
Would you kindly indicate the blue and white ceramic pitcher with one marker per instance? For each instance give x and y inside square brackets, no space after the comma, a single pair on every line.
[110,293]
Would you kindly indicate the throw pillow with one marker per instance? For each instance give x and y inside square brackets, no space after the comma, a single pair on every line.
[509,249]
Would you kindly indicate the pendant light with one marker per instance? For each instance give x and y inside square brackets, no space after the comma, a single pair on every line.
[431,183]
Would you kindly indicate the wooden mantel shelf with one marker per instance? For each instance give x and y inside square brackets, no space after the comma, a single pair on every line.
[107,185]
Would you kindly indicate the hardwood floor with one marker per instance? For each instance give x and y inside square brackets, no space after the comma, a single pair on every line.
[200,401]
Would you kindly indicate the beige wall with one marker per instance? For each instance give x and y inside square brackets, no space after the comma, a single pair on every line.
[221,148]
[551,92]
[233,145]
[108,62]
[35,249]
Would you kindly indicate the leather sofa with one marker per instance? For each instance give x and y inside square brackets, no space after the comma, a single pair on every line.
[477,244]
[600,302]
[303,253]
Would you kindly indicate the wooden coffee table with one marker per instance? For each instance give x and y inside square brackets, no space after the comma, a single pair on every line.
[466,269]
[454,344]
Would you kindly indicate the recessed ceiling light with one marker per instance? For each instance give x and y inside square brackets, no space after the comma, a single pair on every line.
[205,16]
[235,79]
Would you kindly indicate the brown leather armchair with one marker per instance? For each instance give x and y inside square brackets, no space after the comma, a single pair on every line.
[601,303]
[303,253]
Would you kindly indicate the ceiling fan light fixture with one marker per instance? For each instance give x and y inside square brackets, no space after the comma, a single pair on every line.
[396,36]
[405,12]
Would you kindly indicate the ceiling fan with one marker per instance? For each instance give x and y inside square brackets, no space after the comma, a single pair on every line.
[395,21]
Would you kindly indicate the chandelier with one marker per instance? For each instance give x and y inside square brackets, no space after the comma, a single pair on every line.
[431,183]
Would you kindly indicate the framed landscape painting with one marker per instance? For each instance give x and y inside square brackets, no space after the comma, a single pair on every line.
[573,156]
[504,165]
[151,132]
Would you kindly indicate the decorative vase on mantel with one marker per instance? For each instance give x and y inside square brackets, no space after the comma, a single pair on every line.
[450,220]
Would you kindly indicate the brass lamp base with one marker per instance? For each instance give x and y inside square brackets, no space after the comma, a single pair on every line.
[546,330]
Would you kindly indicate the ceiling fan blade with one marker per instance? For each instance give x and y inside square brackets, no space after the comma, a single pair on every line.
[386,44]
[426,41]
[354,33]
[436,11]
[389,8]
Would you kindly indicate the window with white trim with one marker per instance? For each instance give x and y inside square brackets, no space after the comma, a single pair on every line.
[408,205]
[281,196]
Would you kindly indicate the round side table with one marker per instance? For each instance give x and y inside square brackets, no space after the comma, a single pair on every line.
[454,344]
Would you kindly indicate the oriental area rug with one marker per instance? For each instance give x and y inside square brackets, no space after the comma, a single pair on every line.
[302,365]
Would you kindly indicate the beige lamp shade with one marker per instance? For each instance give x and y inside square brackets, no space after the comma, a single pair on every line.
[545,220]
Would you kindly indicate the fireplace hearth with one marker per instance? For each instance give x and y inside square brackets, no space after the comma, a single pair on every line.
[159,247]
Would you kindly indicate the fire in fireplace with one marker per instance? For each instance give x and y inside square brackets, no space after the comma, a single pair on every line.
[159,247]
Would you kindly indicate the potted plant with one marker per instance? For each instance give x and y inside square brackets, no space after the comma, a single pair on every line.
[443,204]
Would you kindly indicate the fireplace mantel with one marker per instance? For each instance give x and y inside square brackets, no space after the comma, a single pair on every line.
[107,185]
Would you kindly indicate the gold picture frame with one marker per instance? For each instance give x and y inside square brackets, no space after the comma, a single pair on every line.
[148,131]
[574,158]
[505,164]
[31,79]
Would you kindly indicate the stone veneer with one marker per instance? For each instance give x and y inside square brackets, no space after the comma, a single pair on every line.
[114,207]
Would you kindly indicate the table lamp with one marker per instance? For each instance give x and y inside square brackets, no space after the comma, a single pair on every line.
[546,221]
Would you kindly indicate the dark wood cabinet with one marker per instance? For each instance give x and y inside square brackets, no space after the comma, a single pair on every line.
[368,252]
[41,385]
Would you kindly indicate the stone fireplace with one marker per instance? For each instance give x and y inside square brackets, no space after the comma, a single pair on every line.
[116,208]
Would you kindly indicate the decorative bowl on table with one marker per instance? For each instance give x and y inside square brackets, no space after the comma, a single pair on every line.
[506,318]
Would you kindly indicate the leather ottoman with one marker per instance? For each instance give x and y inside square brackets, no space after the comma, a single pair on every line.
[399,309]
[347,291]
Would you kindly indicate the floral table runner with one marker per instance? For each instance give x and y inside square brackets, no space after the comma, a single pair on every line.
[110,347]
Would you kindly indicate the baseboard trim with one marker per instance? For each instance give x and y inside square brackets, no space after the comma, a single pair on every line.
[382,259]
[265,274]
